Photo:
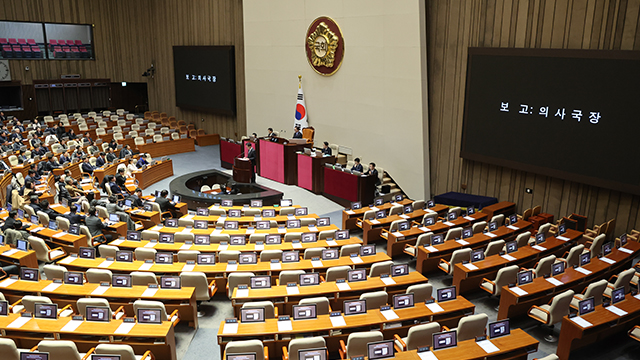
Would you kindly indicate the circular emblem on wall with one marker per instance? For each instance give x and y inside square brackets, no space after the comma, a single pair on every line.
[324,46]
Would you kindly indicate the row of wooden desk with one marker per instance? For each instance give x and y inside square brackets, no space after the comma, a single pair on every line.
[428,260]
[467,277]
[541,290]
[243,231]
[350,217]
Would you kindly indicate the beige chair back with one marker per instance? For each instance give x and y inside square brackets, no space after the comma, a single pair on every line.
[96,276]
[337,272]
[143,278]
[245,346]
[471,326]
[59,349]
[29,301]
[82,304]
[454,233]
[506,275]
[269,309]
[186,255]
[596,290]
[150,304]
[375,299]
[560,306]
[494,248]
[52,271]
[290,276]
[125,351]
[421,335]
[143,254]
[238,278]
[421,292]
[357,342]
[8,349]
[321,303]
[295,345]
[197,280]
[380,268]
[544,266]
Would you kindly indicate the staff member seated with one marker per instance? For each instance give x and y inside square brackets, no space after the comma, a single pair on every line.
[373,172]
[297,134]
[142,162]
[86,166]
[326,150]
[165,204]
[356,166]
[96,226]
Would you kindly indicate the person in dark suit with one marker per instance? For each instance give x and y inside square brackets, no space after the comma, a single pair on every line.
[3,117]
[356,166]
[35,203]
[11,221]
[73,216]
[120,178]
[251,155]
[4,166]
[115,189]
[44,204]
[373,172]
[100,160]
[72,134]
[64,158]
[271,135]
[142,161]
[136,198]
[96,225]
[86,166]
[62,190]
[111,155]
[165,204]
[326,150]
[297,134]
[126,151]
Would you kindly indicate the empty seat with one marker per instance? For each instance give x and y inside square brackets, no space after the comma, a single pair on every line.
[269,309]
[506,275]
[595,290]
[357,343]
[238,278]
[494,248]
[375,299]
[143,254]
[623,279]
[60,349]
[553,312]
[421,292]
[198,280]
[125,351]
[96,276]
[337,272]
[458,256]
[471,326]
[149,304]
[245,347]
[380,268]
[321,303]
[418,336]
[290,352]
[143,278]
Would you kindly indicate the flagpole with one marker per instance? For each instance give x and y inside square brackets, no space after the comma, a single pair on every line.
[299,81]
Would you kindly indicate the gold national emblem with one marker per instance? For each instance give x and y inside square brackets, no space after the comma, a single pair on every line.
[324,46]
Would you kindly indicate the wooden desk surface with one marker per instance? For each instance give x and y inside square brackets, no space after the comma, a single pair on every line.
[515,345]
[218,268]
[467,279]
[249,219]
[428,261]
[154,173]
[503,207]
[241,231]
[349,216]
[212,248]
[23,258]
[323,323]
[604,324]
[328,287]
[239,207]
[170,147]
[541,290]
[372,229]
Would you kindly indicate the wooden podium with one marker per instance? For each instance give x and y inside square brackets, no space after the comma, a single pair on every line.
[242,170]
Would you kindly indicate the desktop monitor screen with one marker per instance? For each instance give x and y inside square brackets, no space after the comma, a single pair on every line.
[206,259]
[22,245]
[20,214]
[452,216]
[290,256]
[477,255]
[493,226]
[170,282]
[200,224]
[513,218]
[227,203]
[323,221]
[499,328]
[429,221]
[467,232]
[202,240]
[165,238]
[309,279]
[249,315]
[330,254]
[53,225]
[512,246]
[357,205]
[437,239]
[235,213]
[164,258]
[557,268]
[562,228]
[355,307]
[397,198]
[407,209]
[74,230]
[121,280]
[148,207]
[525,277]
[342,234]
[294,224]
[401,301]
[446,294]
[378,201]
[245,356]
[381,214]
[4,308]
[202,211]
[540,238]
[45,311]
[312,354]
[263,224]
[149,316]
[268,213]
[97,313]
[617,295]
[302,312]
[301,211]
[105,357]
[176,198]
[231,225]
[366,250]
[260,282]
[286,202]
[73,278]
[237,240]
[273,239]
[248,258]
[607,248]
[256,203]
[87,253]
[357,275]
[29,274]
[471,210]
[308,237]
[586,306]
[133,235]
[444,340]
[34,356]
[124,255]
[585,258]
[405,225]
[431,203]
[399,270]
[623,240]
[380,350]
[127,203]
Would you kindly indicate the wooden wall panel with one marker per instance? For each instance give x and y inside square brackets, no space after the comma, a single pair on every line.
[131,35]
[454,26]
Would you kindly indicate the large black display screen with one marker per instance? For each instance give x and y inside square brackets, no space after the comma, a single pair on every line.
[570,114]
[205,78]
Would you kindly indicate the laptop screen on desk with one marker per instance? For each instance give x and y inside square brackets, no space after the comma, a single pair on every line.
[22,245]
[121,280]
[114,218]
[45,311]
[446,294]
[586,306]
[97,313]
[29,274]
[499,328]
[260,282]
[303,312]
[380,350]
[53,225]
[4,308]
[249,315]
[525,277]
[443,340]
[312,354]
[401,301]
[357,275]
[73,278]
[74,230]
[35,220]
[355,307]
[149,316]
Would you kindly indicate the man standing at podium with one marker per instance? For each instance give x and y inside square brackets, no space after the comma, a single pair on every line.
[251,155]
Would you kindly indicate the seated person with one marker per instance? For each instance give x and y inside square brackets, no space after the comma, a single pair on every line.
[115,189]
[165,203]
[326,150]
[142,161]
[136,198]
[114,208]
[297,134]
[120,178]
[74,192]
[111,155]
[95,225]
[100,161]
[356,166]
[126,151]
[44,205]
[86,166]
[373,172]
[74,217]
